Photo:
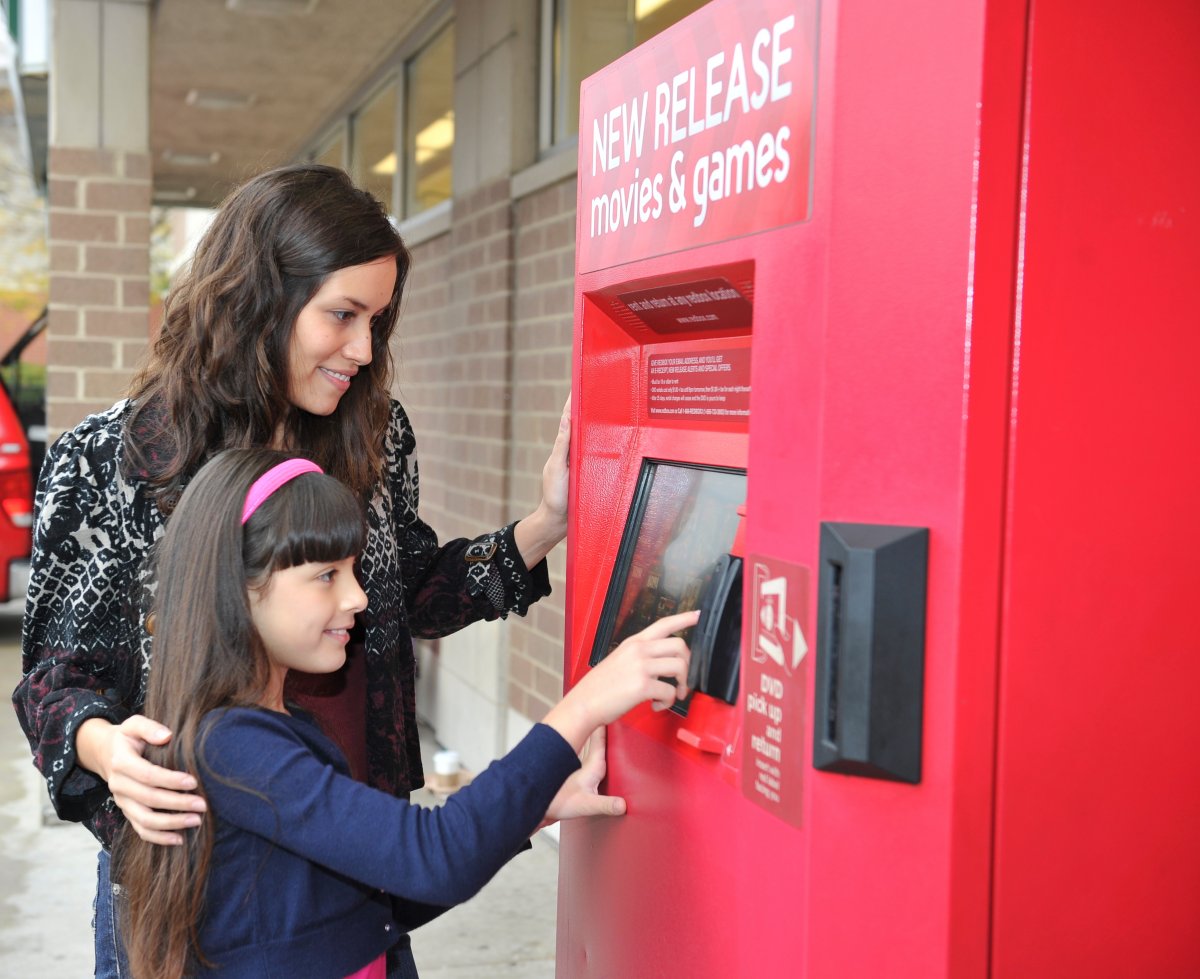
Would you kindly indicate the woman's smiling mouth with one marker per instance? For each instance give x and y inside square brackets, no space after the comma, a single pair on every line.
[342,380]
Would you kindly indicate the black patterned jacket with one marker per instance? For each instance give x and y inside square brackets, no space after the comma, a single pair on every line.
[86,651]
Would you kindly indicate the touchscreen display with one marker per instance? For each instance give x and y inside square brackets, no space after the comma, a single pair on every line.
[682,520]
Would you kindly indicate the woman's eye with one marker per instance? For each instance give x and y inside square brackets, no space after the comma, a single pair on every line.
[343,315]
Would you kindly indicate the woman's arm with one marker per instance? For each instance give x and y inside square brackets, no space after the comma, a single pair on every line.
[448,586]
[539,533]
[84,647]
[73,628]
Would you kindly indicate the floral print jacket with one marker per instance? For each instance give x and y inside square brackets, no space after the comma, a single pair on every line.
[86,652]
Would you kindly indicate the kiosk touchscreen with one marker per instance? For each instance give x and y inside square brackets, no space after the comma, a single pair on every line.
[675,556]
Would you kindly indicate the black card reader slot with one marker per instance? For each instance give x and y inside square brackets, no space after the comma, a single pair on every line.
[871,650]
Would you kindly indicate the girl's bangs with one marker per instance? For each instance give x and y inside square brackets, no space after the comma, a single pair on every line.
[317,520]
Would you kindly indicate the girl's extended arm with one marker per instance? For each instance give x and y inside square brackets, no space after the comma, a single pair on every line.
[580,795]
[637,670]
[270,780]
[643,655]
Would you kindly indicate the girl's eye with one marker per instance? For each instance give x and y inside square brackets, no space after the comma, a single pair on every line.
[326,576]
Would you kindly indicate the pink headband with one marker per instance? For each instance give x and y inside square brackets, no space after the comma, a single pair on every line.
[272,479]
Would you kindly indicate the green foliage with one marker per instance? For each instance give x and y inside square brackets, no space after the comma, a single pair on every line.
[23,301]
[26,385]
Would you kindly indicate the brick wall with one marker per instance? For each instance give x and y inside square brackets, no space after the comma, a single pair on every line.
[544,237]
[483,368]
[99,245]
[419,350]
[453,364]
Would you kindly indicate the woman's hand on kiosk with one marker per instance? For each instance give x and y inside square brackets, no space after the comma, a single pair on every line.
[651,665]
[537,535]
[580,794]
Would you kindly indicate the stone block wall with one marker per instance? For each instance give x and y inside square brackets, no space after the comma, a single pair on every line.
[453,363]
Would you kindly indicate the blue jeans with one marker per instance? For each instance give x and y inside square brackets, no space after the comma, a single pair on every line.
[110,954]
[400,964]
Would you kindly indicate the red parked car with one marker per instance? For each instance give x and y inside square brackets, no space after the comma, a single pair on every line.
[20,432]
[16,501]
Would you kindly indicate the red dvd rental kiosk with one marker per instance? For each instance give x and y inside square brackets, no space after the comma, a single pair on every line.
[888,357]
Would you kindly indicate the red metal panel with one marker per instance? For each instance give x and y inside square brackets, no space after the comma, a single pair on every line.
[1097,854]
[628,887]
[907,83]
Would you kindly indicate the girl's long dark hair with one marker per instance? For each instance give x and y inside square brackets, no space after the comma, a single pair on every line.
[217,376]
[208,655]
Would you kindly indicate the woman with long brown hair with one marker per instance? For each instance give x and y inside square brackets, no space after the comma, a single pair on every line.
[299,869]
[277,334]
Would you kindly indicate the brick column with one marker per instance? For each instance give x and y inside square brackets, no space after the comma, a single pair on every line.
[99,194]
[99,278]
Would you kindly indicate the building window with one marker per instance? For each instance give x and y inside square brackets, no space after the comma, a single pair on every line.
[398,141]
[581,37]
[374,129]
[429,124]
[333,151]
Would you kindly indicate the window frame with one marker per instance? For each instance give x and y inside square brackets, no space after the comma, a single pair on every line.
[549,72]
[356,167]
[339,130]
[426,36]
[391,71]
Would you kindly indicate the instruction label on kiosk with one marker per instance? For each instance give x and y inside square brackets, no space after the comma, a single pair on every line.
[709,384]
[703,133]
[774,667]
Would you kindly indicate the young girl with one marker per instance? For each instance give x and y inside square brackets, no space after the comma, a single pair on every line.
[300,869]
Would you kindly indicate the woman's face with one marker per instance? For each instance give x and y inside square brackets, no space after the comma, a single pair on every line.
[332,336]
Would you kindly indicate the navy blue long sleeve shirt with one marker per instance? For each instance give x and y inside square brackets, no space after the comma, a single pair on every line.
[306,860]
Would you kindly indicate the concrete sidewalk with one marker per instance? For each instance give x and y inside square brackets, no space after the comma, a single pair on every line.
[48,868]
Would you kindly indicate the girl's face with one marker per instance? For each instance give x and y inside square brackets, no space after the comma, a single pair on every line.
[304,616]
[332,336]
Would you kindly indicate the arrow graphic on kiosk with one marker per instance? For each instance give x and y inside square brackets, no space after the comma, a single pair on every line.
[773,623]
